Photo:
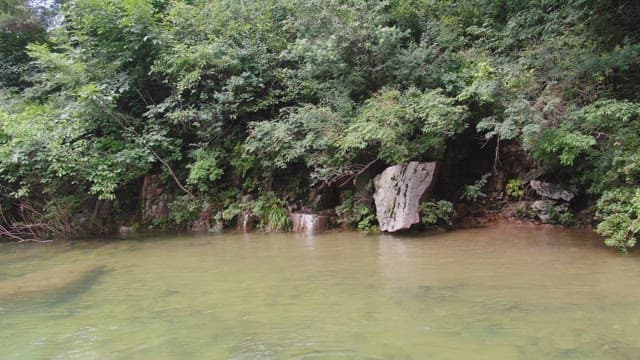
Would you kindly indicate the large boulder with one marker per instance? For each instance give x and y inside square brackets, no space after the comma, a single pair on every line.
[399,189]
[551,191]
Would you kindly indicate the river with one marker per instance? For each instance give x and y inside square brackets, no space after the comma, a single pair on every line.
[501,292]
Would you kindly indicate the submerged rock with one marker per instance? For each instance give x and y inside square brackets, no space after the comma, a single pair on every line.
[64,280]
[308,223]
[551,191]
[399,189]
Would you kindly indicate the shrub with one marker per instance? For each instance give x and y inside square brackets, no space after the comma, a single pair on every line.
[474,192]
[367,220]
[354,212]
[271,212]
[205,170]
[436,213]
[514,189]
[185,209]
[619,214]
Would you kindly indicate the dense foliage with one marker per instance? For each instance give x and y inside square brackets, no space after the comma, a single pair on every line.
[279,98]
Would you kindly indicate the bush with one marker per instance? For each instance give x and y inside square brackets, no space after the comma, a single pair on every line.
[619,214]
[367,220]
[272,213]
[436,213]
[514,189]
[474,192]
[185,209]
[526,213]
[205,170]
[354,212]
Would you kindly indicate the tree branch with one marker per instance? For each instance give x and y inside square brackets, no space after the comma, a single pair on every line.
[164,163]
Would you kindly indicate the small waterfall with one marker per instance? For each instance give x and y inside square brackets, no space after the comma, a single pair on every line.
[309,223]
[245,222]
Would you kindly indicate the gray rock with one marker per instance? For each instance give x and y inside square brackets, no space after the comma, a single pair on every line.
[399,189]
[551,191]
[547,209]
[308,223]
[542,205]
[543,208]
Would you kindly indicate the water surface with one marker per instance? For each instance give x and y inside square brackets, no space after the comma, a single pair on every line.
[503,292]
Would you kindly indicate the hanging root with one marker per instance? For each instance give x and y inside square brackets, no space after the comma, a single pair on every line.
[18,237]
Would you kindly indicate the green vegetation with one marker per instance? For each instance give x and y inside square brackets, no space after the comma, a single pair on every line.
[437,213]
[473,193]
[356,211]
[272,213]
[278,99]
[619,214]
[514,189]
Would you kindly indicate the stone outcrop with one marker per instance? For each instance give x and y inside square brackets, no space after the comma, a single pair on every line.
[155,199]
[551,191]
[547,211]
[399,189]
[308,223]
[543,210]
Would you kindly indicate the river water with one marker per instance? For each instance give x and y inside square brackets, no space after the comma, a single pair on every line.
[502,292]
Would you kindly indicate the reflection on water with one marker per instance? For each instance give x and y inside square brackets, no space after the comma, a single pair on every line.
[504,292]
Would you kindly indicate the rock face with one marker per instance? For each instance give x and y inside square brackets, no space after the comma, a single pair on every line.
[155,200]
[308,223]
[398,192]
[551,191]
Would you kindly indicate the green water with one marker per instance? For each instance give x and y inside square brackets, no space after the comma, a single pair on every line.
[504,292]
